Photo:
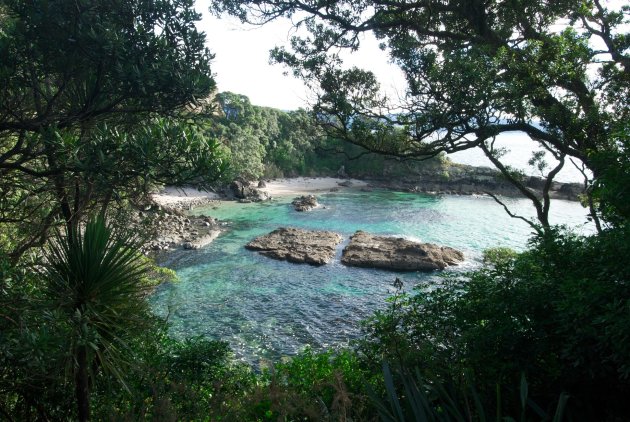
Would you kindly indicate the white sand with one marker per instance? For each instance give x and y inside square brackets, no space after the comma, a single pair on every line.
[305,185]
[190,197]
[182,197]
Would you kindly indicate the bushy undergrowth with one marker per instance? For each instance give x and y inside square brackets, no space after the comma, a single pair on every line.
[558,313]
[557,316]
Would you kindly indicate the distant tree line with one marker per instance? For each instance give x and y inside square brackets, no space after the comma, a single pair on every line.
[264,142]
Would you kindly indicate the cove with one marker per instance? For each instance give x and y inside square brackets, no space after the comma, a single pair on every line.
[267,309]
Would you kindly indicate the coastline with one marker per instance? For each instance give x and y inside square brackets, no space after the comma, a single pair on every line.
[170,224]
[175,227]
[183,198]
[308,185]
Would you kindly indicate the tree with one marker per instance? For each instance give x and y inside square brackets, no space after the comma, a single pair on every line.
[241,127]
[94,281]
[96,101]
[557,312]
[557,71]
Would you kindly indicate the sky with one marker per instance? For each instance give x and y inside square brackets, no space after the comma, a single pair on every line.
[241,63]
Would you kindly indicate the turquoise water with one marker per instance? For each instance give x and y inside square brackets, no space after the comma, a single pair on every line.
[266,308]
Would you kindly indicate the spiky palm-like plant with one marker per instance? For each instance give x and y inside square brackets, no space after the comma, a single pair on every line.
[423,401]
[94,280]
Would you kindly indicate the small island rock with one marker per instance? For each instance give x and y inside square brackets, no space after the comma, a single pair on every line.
[398,254]
[297,245]
[305,203]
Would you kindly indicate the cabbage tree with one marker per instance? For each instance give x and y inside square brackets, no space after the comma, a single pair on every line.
[94,280]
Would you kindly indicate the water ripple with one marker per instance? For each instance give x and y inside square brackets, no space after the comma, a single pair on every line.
[266,308]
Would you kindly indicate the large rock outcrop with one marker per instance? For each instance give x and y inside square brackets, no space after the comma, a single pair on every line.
[398,254]
[297,245]
[243,191]
[305,203]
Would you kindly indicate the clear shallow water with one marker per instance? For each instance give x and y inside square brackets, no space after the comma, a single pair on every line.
[266,308]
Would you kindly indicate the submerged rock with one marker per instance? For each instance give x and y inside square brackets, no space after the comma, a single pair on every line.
[392,253]
[202,240]
[305,203]
[297,245]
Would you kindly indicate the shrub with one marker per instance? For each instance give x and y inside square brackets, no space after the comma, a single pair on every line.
[558,313]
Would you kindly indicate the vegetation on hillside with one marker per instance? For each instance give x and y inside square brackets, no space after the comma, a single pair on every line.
[263,142]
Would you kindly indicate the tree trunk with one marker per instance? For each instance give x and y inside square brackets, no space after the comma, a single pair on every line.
[82,385]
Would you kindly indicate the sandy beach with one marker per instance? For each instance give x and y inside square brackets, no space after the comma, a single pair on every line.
[305,185]
[188,198]
[184,198]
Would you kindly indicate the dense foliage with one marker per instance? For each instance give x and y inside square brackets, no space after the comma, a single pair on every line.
[557,313]
[266,142]
[96,105]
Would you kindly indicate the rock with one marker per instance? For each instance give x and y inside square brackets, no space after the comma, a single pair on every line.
[345,183]
[202,240]
[237,188]
[334,189]
[398,254]
[241,189]
[305,203]
[297,245]
[262,184]
[171,231]
[258,195]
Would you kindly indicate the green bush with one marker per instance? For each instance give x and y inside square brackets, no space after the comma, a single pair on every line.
[335,377]
[499,256]
[558,313]
[411,397]
[329,385]
[33,385]
[192,379]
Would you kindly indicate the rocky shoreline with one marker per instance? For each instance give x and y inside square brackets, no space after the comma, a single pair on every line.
[461,179]
[172,227]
